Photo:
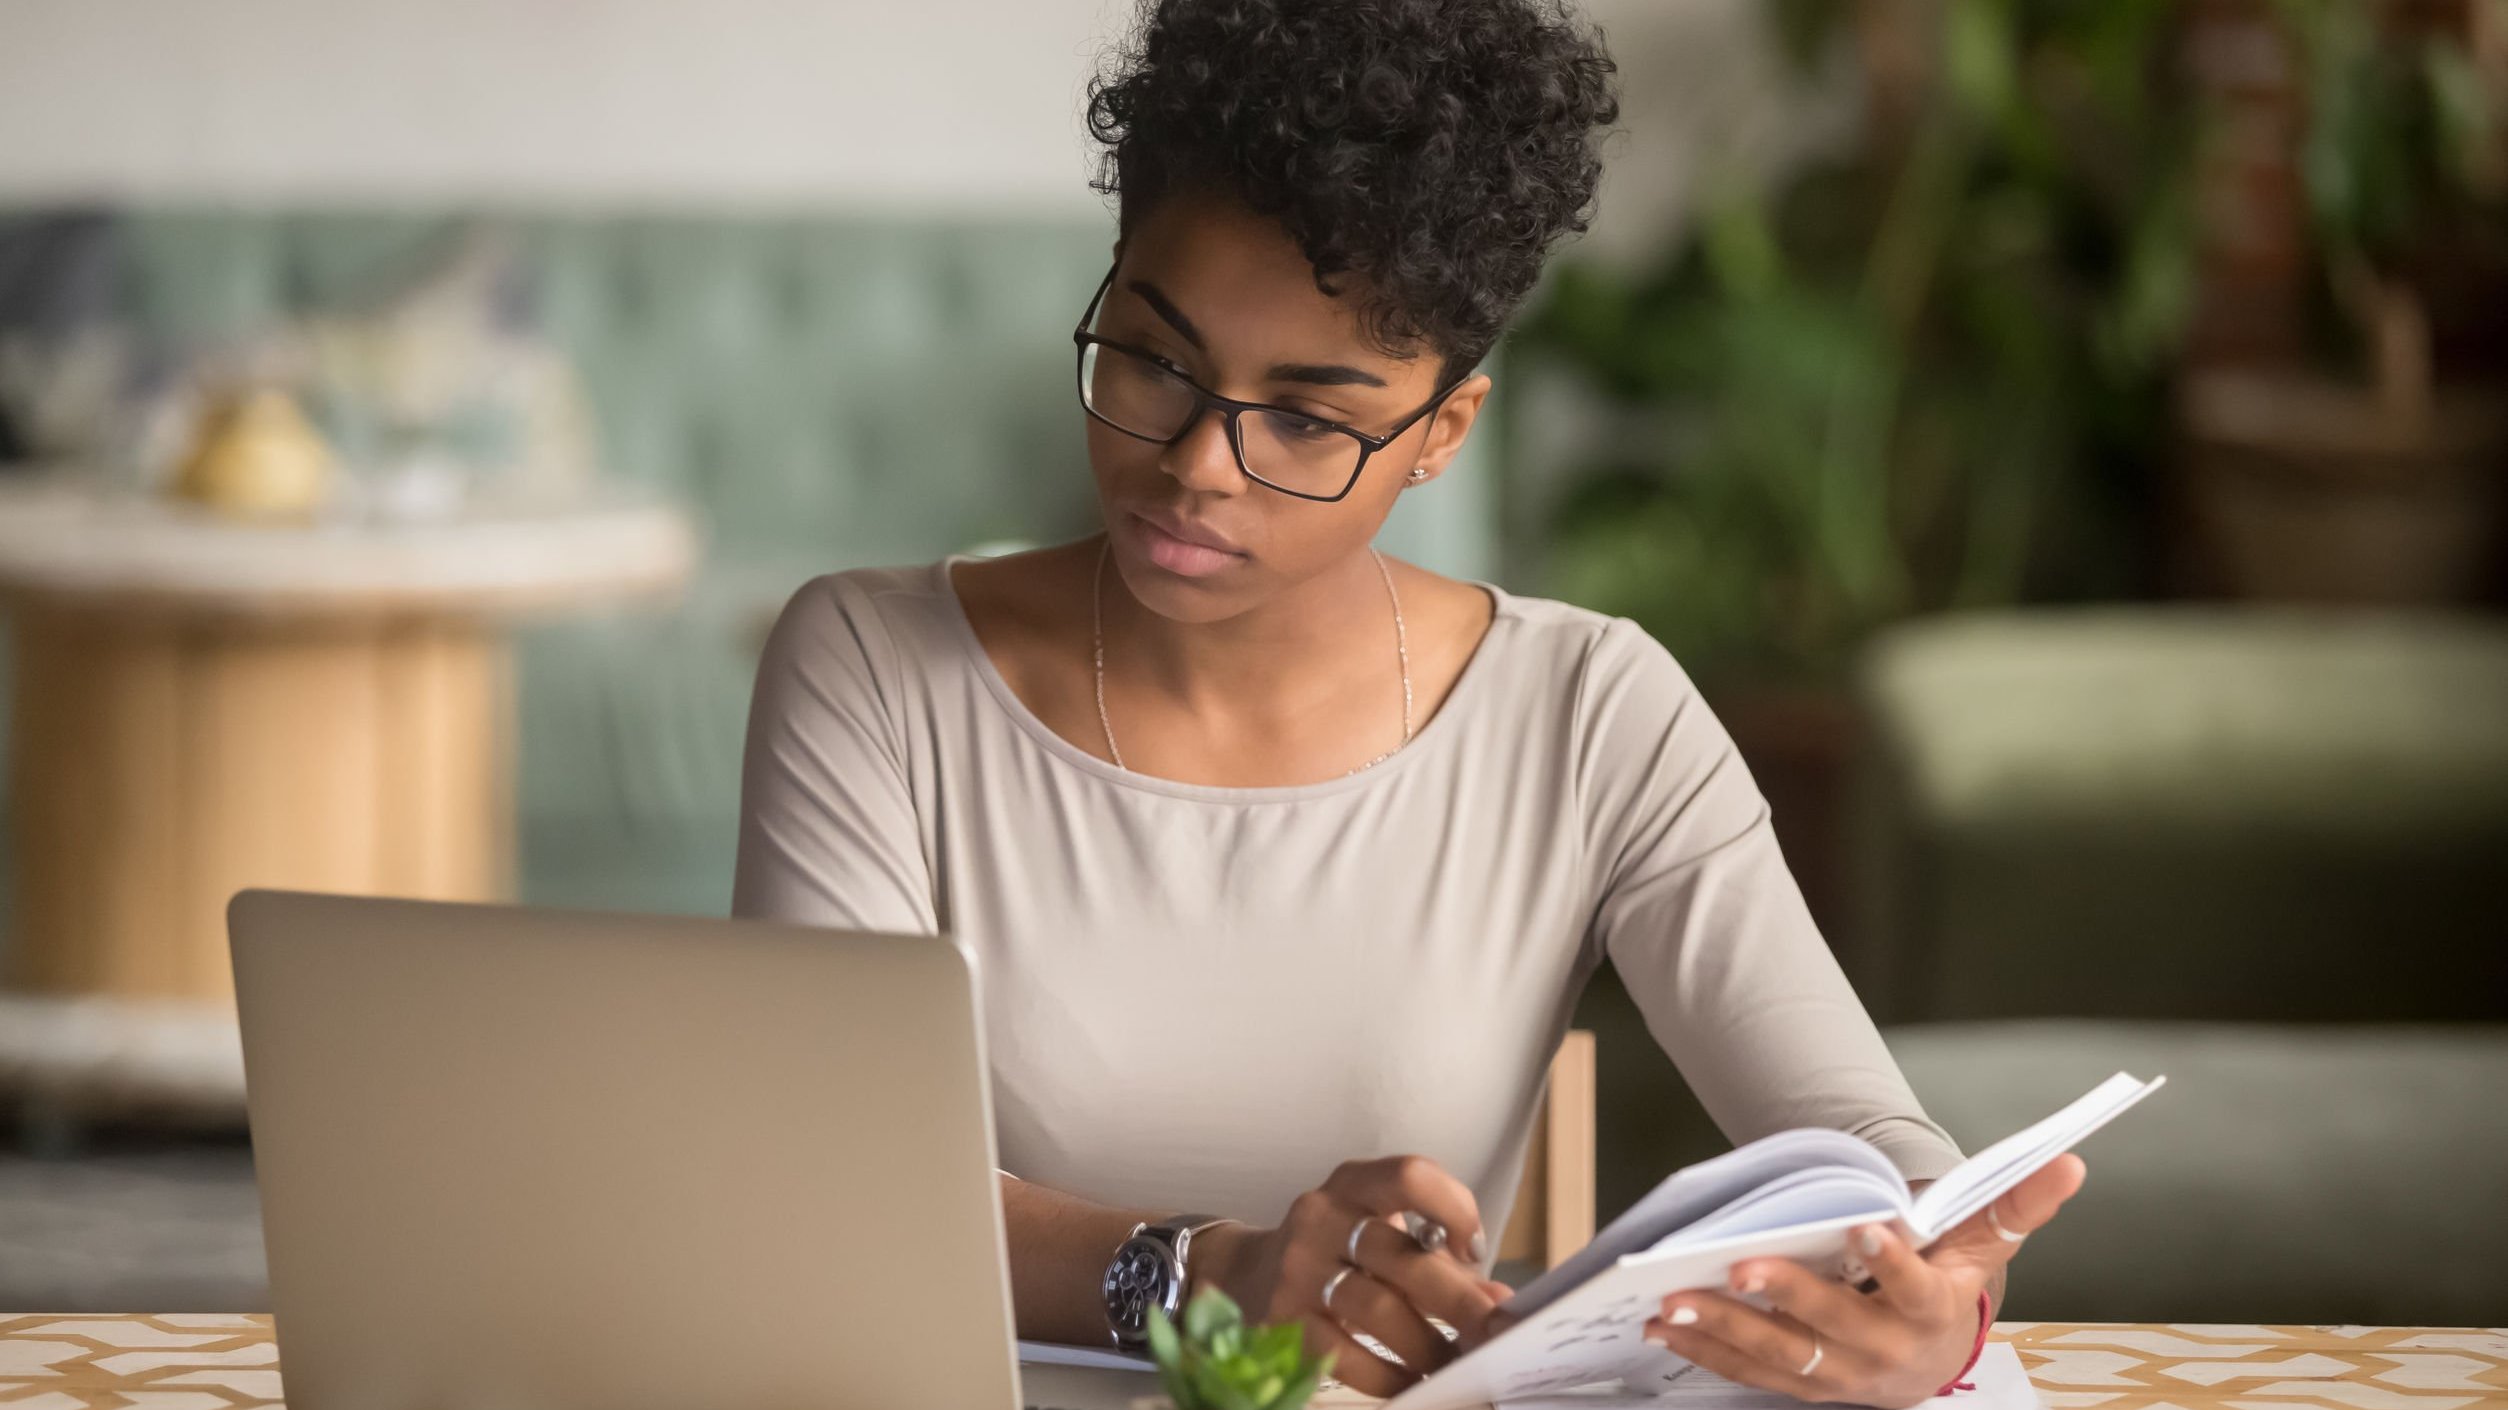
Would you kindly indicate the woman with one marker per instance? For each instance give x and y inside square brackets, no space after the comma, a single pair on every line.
[1285,862]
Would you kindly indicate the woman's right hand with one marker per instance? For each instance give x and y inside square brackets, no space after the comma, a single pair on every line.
[1395,1285]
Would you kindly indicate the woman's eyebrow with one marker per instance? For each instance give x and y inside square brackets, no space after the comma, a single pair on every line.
[1328,375]
[1313,374]
[1175,316]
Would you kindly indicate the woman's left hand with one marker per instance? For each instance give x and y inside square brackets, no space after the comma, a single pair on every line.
[1892,1347]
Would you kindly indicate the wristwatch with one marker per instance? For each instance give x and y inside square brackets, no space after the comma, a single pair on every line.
[1148,1272]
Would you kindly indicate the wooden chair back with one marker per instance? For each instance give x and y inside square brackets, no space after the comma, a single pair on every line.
[1554,1207]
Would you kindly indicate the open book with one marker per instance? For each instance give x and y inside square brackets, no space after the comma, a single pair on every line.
[1793,1195]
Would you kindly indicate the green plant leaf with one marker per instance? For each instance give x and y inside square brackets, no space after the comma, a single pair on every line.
[1219,1362]
[1302,1389]
[1981,54]
[1211,1312]
[1882,385]
[1167,1350]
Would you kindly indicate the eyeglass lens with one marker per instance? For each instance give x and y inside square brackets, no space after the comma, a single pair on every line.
[1138,396]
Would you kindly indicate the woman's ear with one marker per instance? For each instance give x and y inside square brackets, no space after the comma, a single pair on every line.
[1447,428]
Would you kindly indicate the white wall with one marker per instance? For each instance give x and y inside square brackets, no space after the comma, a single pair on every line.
[932,103]
[927,104]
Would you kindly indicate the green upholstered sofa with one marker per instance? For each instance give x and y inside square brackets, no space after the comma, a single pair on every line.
[2263,852]
[2187,812]
[825,390]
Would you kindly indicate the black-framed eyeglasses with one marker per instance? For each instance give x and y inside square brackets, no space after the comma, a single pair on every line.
[1142,395]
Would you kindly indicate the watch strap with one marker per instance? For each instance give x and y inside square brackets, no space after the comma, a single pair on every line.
[1179,1230]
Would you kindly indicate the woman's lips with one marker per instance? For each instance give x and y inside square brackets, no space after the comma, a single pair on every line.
[1188,560]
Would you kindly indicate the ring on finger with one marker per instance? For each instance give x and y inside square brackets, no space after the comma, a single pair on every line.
[1334,1282]
[1349,1251]
[1817,1351]
[2000,1232]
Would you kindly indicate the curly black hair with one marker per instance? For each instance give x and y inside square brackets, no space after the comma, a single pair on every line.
[1434,149]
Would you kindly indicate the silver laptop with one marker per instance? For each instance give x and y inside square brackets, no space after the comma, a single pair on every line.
[558,1160]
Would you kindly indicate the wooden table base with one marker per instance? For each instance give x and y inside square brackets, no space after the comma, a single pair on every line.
[163,761]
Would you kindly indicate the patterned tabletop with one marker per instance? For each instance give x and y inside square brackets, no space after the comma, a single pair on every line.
[221,1362]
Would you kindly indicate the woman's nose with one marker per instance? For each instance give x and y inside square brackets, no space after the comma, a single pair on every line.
[1202,458]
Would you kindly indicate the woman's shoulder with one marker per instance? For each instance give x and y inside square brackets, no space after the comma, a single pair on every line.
[932,619]
[850,592]
[865,619]
[1581,649]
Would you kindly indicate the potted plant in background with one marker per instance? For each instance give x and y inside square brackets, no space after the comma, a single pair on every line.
[1931,373]
[2363,456]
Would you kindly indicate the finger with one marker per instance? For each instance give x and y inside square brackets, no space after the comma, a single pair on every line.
[1397,1184]
[2020,1211]
[1436,1285]
[1318,1225]
[2031,1205]
[1499,1318]
[1363,1304]
[1733,1363]
[1839,1315]
[1909,1284]
[1777,1344]
[1353,1364]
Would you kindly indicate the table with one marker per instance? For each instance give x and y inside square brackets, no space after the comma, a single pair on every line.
[225,1362]
[201,705]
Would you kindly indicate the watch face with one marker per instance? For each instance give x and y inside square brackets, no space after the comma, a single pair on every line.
[1142,1276]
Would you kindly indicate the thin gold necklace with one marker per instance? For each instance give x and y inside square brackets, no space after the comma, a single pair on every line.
[1097,637]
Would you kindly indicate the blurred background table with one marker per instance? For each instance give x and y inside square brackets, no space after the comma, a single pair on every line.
[68,1362]
[202,705]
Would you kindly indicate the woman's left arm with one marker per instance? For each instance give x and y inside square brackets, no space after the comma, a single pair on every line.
[1697,910]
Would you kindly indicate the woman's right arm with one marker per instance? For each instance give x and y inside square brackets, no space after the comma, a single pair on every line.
[1062,1244]
[828,831]
[829,836]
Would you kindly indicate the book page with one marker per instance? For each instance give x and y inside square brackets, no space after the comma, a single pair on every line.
[1593,1332]
[1102,1358]
[1691,1194]
[1956,1197]
[1803,1197]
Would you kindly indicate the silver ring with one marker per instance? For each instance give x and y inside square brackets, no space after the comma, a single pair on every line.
[1426,1232]
[1335,1282]
[1817,1351]
[1349,1251]
[2000,1232]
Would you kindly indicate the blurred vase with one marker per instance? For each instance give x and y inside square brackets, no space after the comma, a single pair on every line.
[2303,488]
[257,457]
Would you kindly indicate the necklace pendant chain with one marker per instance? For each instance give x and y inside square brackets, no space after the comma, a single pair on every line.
[1097,652]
